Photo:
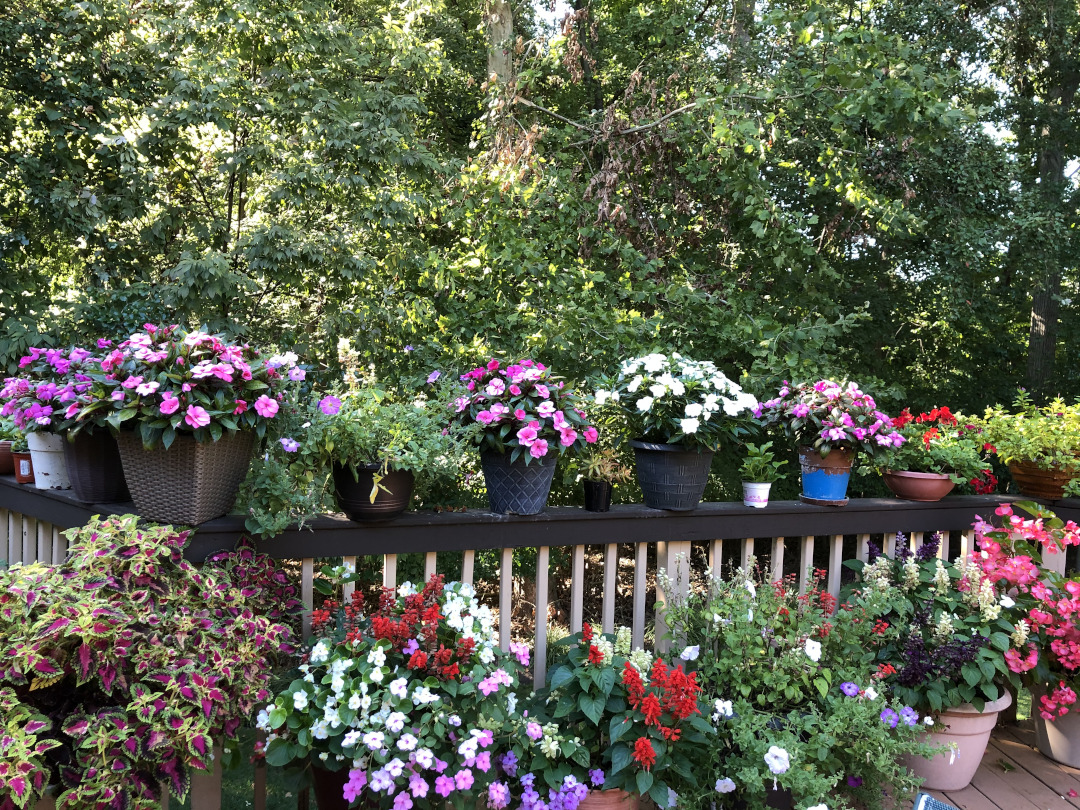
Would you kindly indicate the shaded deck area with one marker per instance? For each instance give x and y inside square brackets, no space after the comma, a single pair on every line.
[1014,775]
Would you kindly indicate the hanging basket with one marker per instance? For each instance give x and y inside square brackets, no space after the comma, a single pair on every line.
[671,476]
[93,461]
[514,487]
[189,483]
[1036,481]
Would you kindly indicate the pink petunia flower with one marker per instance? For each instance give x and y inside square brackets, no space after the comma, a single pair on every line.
[330,405]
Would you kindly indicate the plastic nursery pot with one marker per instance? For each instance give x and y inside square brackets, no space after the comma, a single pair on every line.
[50,468]
[918,486]
[354,494]
[825,478]
[517,488]
[597,496]
[670,476]
[755,494]
[7,463]
[24,467]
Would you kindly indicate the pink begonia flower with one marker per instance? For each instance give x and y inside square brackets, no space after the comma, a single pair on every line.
[546,408]
[591,434]
[519,414]
[538,449]
[485,417]
[515,390]
[567,436]
[527,436]
[266,407]
[196,416]
[169,403]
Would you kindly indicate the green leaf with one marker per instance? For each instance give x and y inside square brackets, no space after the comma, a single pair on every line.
[644,781]
[620,757]
[593,707]
[560,677]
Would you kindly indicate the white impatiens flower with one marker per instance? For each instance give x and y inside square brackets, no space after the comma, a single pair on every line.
[635,384]
[653,362]
[813,650]
[658,390]
[690,653]
[694,409]
[689,426]
[601,396]
[644,404]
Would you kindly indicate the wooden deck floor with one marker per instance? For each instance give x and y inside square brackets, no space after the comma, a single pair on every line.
[1015,776]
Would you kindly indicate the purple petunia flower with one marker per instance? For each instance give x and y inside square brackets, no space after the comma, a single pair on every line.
[850,689]
[889,718]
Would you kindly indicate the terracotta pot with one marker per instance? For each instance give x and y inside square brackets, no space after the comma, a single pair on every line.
[7,463]
[825,478]
[354,494]
[970,730]
[918,486]
[610,800]
[1039,482]
[1058,739]
[24,467]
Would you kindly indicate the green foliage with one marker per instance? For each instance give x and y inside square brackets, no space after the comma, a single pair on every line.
[760,465]
[1048,435]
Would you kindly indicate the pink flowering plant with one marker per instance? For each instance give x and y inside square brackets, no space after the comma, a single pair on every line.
[523,410]
[1044,605]
[168,381]
[828,414]
[412,700]
[671,399]
[48,388]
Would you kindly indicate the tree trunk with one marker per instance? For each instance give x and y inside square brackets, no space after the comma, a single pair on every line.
[500,22]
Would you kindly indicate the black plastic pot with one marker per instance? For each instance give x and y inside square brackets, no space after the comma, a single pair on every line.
[517,488]
[671,477]
[354,493]
[597,495]
[93,462]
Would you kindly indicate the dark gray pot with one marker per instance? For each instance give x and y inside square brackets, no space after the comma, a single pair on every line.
[670,476]
[517,488]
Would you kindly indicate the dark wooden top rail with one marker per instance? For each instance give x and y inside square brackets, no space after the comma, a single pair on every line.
[335,535]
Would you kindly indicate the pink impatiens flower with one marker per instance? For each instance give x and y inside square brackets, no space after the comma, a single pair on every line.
[169,403]
[266,407]
[538,449]
[591,434]
[241,406]
[197,416]
[567,436]
[527,436]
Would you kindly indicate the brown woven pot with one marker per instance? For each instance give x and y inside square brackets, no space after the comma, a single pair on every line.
[24,467]
[610,800]
[93,462]
[7,463]
[189,483]
[1039,482]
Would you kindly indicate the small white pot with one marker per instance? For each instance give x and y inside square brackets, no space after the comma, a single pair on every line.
[755,495]
[47,454]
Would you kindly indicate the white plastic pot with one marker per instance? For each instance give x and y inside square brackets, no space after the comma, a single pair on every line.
[47,455]
[755,495]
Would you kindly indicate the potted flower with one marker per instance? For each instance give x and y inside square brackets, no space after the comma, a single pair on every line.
[614,719]
[1041,446]
[760,470]
[939,451]
[943,646]
[1044,607]
[677,410]
[601,469]
[188,407]
[800,720]
[8,433]
[409,699]
[831,421]
[522,418]
[20,456]
[130,664]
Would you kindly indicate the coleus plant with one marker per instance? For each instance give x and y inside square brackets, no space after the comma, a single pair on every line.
[137,660]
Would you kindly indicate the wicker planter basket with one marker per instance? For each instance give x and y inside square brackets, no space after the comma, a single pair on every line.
[1039,482]
[189,483]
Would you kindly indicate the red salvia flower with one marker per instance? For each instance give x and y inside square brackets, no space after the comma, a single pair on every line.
[644,753]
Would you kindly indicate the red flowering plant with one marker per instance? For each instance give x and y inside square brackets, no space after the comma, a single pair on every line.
[168,381]
[940,441]
[412,702]
[1043,605]
[612,718]
[523,410]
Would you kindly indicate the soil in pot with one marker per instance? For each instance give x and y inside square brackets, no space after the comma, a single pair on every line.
[918,486]
[354,494]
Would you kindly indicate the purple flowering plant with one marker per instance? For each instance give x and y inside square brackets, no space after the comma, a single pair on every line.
[412,701]
[168,381]
[48,388]
[828,414]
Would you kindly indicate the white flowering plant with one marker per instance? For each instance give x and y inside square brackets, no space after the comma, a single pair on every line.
[792,709]
[412,703]
[613,718]
[943,635]
[671,399]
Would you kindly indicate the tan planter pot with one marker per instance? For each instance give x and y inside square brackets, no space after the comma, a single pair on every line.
[610,800]
[967,728]
[918,486]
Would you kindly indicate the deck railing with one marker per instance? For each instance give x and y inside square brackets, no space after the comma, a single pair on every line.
[604,562]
